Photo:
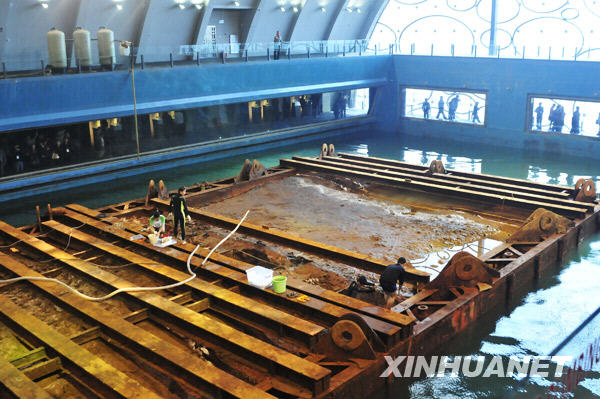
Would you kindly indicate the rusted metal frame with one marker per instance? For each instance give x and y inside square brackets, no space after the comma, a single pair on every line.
[523,182]
[443,181]
[17,383]
[351,258]
[450,177]
[86,336]
[193,370]
[325,305]
[446,311]
[570,211]
[289,365]
[100,375]
[306,331]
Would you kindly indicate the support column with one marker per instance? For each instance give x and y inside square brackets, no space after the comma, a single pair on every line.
[494,29]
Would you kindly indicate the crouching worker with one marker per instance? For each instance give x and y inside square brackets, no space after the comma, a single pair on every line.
[387,280]
[157,222]
[180,212]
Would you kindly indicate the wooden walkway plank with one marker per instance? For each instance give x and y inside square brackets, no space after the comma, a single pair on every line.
[233,269]
[445,180]
[524,182]
[572,211]
[351,258]
[309,373]
[450,176]
[295,326]
[16,382]
[418,297]
[138,338]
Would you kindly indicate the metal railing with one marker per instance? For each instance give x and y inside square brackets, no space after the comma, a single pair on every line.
[35,63]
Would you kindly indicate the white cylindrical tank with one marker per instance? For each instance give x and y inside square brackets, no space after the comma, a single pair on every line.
[83,47]
[57,49]
[106,46]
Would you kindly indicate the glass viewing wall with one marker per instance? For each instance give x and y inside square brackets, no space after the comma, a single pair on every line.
[445,105]
[58,146]
[562,115]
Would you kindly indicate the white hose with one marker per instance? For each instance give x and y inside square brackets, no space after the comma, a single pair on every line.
[132,289]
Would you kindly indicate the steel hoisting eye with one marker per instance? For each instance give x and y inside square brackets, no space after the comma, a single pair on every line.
[347,335]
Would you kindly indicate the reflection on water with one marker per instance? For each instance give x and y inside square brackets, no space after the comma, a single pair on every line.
[534,324]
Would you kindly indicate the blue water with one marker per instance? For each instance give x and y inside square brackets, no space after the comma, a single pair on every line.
[533,324]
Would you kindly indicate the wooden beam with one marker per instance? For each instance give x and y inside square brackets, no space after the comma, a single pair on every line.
[571,211]
[323,303]
[221,334]
[189,367]
[17,383]
[110,378]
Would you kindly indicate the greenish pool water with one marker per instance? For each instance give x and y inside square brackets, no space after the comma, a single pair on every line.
[534,323]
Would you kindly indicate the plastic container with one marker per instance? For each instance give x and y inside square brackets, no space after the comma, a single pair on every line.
[259,277]
[279,284]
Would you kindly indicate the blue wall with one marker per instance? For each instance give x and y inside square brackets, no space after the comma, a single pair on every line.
[507,83]
[43,101]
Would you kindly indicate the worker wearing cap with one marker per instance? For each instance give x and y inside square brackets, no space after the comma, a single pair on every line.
[180,212]
[387,280]
[157,222]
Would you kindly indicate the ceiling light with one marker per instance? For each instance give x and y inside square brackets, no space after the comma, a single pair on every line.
[198,6]
[282,8]
[119,7]
[236,3]
[348,9]
[181,6]
[45,5]
[322,9]
[295,9]
[358,10]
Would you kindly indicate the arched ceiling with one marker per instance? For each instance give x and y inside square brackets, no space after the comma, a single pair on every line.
[159,25]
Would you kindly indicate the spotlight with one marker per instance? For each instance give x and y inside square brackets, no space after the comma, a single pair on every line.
[45,5]
[348,9]
[181,6]
[119,7]
[236,3]
[282,8]
[198,6]
[322,9]
[295,9]
[358,10]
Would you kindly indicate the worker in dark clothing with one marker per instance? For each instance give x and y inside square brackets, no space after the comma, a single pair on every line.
[388,279]
[180,212]
[426,107]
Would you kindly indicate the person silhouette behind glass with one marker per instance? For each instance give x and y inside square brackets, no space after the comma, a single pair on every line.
[426,107]
[575,121]
[475,113]
[452,107]
[441,108]
[539,113]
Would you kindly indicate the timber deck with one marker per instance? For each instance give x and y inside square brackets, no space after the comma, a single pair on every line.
[217,336]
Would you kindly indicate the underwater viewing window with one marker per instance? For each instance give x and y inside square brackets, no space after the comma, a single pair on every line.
[445,105]
[564,115]
[58,146]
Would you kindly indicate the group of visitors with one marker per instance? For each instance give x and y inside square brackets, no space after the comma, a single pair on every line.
[40,150]
[452,107]
[556,119]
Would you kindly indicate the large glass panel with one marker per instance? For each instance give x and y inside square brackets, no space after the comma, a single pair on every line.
[567,116]
[59,146]
[445,105]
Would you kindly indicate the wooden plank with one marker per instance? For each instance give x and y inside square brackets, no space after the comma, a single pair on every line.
[445,180]
[298,327]
[451,176]
[326,303]
[351,258]
[139,339]
[111,379]
[523,182]
[317,377]
[17,383]
[571,211]
[43,369]
[418,297]
[32,356]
